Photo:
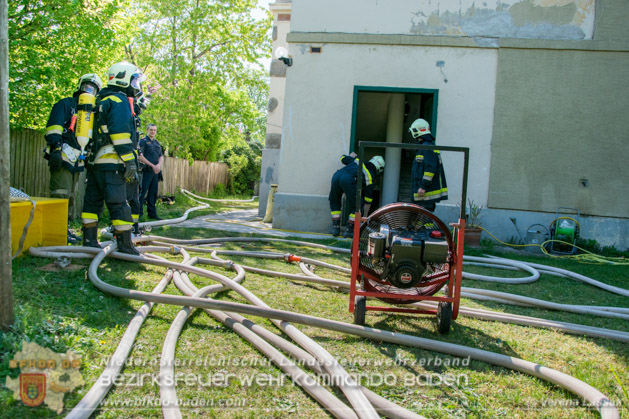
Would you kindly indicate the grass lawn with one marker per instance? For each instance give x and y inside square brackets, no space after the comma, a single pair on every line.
[61,310]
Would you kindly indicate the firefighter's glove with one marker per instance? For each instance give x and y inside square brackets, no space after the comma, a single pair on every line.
[55,162]
[131,171]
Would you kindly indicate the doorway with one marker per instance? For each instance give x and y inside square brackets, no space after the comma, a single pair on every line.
[370,119]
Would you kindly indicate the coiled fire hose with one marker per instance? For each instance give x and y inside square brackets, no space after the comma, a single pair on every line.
[578,387]
[362,406]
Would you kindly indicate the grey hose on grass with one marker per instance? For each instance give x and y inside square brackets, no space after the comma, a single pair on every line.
[358,400]
[587,392]
[197,197]
[92,399]
[381,405]
[532,278]
[601,404]
[577,329]
[578,277]
[533,302]
[168,395]
[571,328]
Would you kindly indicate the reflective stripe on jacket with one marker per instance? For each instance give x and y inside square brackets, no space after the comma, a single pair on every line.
[428,174]
[116,129]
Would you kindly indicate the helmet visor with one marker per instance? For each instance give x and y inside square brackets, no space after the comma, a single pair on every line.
[136,83]
[88,87]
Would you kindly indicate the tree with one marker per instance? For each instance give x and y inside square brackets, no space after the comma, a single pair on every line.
[6,279]
[52,43]
[202,54]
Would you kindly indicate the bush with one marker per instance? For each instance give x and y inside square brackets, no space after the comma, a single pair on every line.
[244,160]
[218,192]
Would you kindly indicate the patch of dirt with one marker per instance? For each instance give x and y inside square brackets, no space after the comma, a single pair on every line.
[52,267]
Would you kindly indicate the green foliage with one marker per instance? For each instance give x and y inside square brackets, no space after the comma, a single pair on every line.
[52,43]
[219,191]
[200,60]
[593,246]
[244,161]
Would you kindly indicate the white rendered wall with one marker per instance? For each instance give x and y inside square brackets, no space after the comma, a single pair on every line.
[542,19]
[319,99]
[277,85]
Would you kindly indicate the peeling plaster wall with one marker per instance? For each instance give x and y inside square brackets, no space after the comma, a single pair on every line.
[317,120]
[540,19]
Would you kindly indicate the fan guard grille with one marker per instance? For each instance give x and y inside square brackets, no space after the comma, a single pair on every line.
[412,218]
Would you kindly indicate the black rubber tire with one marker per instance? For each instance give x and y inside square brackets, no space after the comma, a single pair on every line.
[360,310]
[444,317]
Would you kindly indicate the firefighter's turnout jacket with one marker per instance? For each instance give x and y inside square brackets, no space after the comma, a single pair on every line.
[427,173]
[114,143]
[344,181]
[59,131]
[112,148]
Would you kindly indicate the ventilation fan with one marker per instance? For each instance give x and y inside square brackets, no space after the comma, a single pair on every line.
[402,255]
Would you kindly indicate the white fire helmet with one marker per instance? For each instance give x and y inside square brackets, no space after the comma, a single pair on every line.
[124,74]
[419,127]
[378,161]
[90,83]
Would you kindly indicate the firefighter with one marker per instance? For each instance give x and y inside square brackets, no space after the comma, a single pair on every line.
[344,181]
[428,179]
[133,187]
[63,150]
[113,161]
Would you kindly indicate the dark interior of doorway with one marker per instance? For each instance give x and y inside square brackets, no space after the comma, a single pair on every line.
[371,125]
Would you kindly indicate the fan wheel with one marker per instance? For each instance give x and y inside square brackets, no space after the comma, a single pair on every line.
[412,218]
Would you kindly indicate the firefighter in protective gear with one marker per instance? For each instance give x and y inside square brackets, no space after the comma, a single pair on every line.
[113,160]
[63,150]
[344,181]
[428,179]
[133,187]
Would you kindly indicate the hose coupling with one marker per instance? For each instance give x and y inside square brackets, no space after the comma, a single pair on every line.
[289,258]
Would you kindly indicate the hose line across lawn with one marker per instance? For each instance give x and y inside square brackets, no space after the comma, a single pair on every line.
[303,351]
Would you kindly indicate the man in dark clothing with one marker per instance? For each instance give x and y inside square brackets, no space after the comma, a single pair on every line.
[152,156]
[113,161]
[344,181]
[428,179]
[63,150]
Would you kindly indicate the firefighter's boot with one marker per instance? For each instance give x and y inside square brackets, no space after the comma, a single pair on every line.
[125,244]
[336,228]
[349,231]
[90,237]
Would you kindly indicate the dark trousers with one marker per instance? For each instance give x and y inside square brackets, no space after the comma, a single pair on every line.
[133,198]
[148,193]
[343,183]
[108,187]
[63,184]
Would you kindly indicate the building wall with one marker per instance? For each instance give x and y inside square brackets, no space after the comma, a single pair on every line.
[318,112]
[560,140]
[539,19]
[269,170]
[519,78]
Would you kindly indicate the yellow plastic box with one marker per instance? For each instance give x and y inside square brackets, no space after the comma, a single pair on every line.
[48,228]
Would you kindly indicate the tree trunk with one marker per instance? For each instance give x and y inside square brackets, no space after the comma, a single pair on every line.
[6,277]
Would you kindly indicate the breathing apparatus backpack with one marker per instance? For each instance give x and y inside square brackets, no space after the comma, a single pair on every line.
[86,112]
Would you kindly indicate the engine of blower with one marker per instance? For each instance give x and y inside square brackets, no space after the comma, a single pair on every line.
[406,253]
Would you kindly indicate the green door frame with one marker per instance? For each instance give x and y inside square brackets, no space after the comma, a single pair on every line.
[382,89]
